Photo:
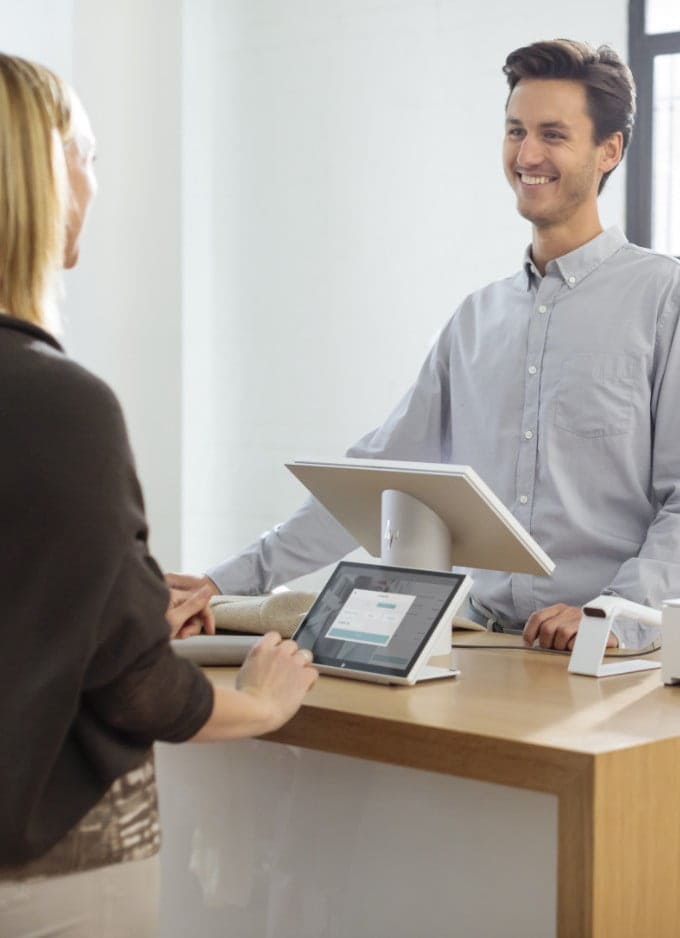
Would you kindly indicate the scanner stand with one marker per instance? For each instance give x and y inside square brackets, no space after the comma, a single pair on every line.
[591,640]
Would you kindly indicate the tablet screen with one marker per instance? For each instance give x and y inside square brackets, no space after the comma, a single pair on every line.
[375,618]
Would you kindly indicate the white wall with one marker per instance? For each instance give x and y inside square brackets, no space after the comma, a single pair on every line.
[348,193]
[40,30]
[123,311]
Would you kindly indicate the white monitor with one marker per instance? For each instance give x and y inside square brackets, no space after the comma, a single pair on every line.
[457,509]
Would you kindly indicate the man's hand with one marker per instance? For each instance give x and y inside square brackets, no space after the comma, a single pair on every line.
[556,627]
[189,613]
[183,581]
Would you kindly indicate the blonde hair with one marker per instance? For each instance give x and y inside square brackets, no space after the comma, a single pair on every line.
[35,120]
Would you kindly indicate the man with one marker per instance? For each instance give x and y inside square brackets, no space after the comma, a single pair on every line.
[560,385]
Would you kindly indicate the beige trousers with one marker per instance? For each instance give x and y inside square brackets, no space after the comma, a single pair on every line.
[118,901]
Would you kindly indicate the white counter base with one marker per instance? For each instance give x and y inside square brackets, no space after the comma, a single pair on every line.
[263,840]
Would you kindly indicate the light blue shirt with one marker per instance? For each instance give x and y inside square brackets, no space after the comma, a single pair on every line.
[563,393]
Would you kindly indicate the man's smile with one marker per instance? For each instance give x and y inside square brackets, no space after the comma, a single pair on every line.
[531,180]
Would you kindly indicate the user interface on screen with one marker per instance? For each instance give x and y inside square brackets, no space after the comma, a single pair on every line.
[375,618]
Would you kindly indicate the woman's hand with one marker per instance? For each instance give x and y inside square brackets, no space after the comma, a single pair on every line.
[189,613]
[270,687]
[277,674]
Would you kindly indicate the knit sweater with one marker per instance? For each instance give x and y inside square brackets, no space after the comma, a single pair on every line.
[88,677]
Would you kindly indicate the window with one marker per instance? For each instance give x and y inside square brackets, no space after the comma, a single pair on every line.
[653,175]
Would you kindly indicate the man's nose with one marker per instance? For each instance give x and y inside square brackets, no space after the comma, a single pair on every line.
[530,152]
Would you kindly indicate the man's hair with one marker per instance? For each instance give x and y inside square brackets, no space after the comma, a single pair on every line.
[607,80]
[35,119]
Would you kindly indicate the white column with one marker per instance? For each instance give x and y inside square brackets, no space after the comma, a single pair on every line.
[123,309]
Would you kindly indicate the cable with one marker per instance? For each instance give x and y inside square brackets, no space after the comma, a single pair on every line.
[555,651]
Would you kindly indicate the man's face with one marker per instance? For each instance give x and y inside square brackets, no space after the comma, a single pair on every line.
[549,156]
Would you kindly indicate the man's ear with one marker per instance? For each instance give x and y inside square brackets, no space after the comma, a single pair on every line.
[611,151]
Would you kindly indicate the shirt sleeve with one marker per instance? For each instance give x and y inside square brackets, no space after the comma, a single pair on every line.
[418,429]
[653,575]
[308,540]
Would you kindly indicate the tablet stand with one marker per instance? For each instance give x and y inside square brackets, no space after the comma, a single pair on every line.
[412,535]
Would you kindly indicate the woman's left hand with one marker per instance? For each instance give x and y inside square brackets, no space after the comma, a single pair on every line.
[188,613]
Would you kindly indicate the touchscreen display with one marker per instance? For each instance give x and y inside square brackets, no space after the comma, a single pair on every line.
[376,618]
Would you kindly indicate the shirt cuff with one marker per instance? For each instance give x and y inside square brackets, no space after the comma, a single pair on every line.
[236,576]
[617,631]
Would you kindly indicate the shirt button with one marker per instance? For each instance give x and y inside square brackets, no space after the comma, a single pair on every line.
[572,280]
[528,434]
[532,369]
[543,309]
[523,499]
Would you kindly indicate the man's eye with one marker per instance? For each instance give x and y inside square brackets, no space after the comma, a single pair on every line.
[551,135]
[515,132]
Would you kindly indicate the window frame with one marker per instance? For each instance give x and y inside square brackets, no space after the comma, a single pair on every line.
[643,48]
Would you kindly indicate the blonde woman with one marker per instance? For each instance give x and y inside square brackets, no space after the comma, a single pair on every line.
[88,677]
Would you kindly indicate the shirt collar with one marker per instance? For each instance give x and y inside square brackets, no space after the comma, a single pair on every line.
[531,271]
[577,265]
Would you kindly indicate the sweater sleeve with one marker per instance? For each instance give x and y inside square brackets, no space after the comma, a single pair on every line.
[158,696]
[129,705]
[134,684]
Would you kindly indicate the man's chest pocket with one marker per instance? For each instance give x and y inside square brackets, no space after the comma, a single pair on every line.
[595,394]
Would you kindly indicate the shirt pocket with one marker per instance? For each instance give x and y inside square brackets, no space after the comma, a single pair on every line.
[594,397]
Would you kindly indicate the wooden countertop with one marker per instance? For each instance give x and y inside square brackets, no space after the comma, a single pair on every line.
[513,715]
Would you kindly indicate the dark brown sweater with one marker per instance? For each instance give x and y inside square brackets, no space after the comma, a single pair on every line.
[87,677]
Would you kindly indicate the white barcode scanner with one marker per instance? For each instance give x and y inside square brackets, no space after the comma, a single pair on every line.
[597,618]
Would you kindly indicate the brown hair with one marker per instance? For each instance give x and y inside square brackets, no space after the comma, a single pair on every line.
[35,117]
[608,82]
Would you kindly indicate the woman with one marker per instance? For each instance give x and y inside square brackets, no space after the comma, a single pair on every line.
[88,677]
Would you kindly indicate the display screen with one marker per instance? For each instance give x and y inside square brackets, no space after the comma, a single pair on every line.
[375,618]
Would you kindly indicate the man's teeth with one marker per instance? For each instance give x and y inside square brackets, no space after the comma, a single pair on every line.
[534,180]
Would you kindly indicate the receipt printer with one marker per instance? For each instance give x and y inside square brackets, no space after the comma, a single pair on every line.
[597,618]
[670,642]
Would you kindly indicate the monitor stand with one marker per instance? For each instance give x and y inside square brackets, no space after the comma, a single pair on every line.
[412,535]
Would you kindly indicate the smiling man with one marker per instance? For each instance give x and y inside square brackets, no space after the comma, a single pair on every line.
[559,385]
[555,161]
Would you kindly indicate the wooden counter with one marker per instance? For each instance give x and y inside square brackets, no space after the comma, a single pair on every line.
[607,748]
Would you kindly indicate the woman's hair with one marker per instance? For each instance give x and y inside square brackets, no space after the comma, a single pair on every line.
[35,120]
[608,82]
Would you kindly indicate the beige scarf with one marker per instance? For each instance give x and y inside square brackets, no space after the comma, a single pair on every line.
[255,615]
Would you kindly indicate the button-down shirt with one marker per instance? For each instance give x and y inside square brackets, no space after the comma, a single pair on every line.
[563,392]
